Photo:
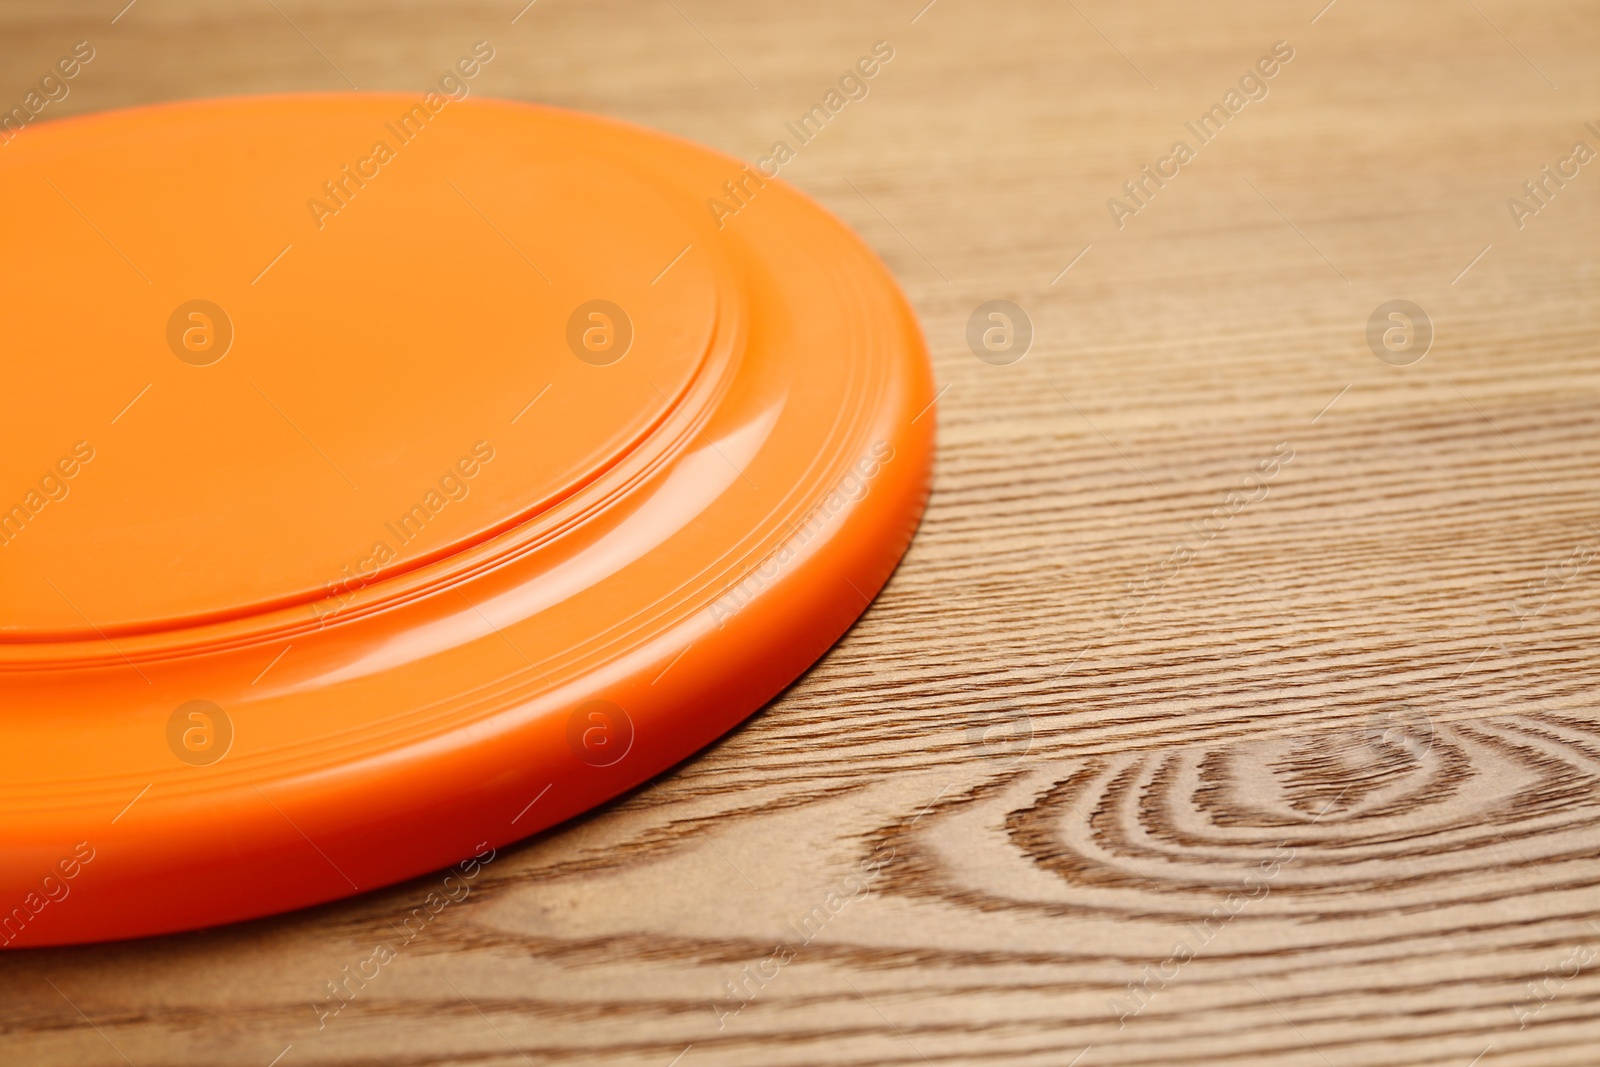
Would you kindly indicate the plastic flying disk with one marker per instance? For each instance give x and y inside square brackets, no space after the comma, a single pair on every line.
[387,479]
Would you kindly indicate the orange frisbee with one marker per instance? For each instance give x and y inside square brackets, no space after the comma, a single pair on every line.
[385,479]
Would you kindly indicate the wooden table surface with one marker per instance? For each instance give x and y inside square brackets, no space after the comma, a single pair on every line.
[1236,700]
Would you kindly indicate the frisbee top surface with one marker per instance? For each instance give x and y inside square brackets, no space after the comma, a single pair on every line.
[348,380]
[387,478]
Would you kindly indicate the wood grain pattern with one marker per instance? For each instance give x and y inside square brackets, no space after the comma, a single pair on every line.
[1329,796]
